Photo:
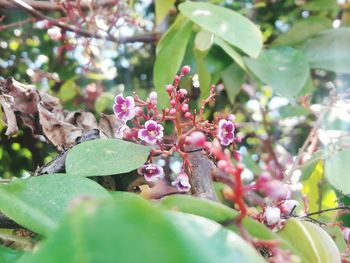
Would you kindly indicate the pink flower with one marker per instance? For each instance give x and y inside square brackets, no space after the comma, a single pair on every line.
[124,108]
[182,182]
[121,130]
[151,172]
[225,132]
[152,132]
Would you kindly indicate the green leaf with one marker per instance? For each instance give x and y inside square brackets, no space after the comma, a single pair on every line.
[230,51]
[285,69]
[303,29]
[8,255]
[203,74]
[203,40]
[325,246]
[170,53]
[289,111]
[308,168]
[337,167]
[68,90]
[162,9]
[226,24]
[322,6]
[233,77]
[133,231]
[330,50]
[105,157]
[219,213]
[38,203]
[104,101]
[297,235]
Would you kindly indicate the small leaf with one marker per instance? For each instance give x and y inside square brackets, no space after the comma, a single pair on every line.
[38,203]
[325,246]
[203,40]
[300,239]
[68,90]
[285,69]
[330,50]
[104,101]
[308,167]
[226,24]
[231,52]
[203,74]
[162,9]
[303,29]
[170,53]
[233,77]
[105,157]
[337,167]
[133,231]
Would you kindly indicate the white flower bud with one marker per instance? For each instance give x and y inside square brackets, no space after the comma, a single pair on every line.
[272,215]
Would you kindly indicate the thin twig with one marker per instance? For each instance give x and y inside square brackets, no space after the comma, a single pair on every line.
[146,38]
[327,210]
[17,24]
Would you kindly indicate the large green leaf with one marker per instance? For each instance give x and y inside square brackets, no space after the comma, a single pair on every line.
[8,255]
[105,157]
[330,50]
[226,24]
[285,69]
[170,53]
[304,29]
[231,52]
[133,231]
[299,237]
[337,170]
[38,203]
[325,246]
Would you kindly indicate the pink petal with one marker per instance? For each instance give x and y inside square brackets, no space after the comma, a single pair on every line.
[222,123]
[130,114]
[119,99]
[151,125]
[129,102]
[142,134]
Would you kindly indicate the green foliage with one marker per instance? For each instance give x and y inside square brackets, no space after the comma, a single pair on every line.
[8,255]
[105,157]
[285,69]
[151,233]
[39,203]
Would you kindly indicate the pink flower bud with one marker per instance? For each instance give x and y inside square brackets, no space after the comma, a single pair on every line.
[291,204]
[184,107]
[169,88]
[152,98]
[54,33]
[185,70]
[172,111]
[346,233]
[272,215]
[188,115]
[183,92]
[197,138]
[222,164]
[237,156]
[173,103]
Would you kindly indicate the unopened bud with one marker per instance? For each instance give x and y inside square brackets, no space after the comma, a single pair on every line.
[172,111]
[188,115]
[185,70]
[184,108]
[272,215]
[169,88]
[197,138]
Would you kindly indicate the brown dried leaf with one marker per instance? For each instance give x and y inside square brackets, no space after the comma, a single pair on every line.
[109,124]
[60,134]
[82,119]
[11,121]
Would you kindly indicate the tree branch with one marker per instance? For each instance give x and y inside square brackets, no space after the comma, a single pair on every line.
[49,6]
[146,38]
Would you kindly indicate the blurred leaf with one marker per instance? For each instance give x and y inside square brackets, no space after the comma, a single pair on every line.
[337,118]
[227,24]
[68,90]
[308,167]
[170,53]
[104,101]
[297,235]
[303,29]
[231,52]
[319,192]
[162,9]
[233,77]
[105,157]
[322,5]
[251,164]
[325,246]
[285,69]
[329,50]
[220,213]
[289,111]
[38,203]
[337,168]
[151,234]
[8,255]
[336,234]
[308,87]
